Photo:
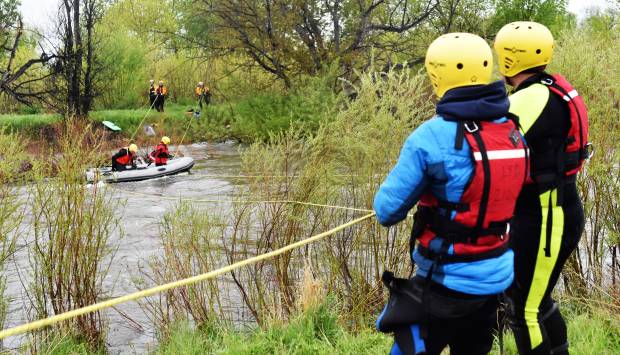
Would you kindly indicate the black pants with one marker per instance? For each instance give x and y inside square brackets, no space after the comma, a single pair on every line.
[152,100]
[204,98]
[469,333]
[159,103]
[118,167]
[543,236]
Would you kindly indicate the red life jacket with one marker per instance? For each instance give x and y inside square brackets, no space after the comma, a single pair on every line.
[477,225]
[577,148]
[125,159]
[160,154]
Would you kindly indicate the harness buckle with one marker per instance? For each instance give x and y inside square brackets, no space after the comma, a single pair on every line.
[547,81]
[472,129]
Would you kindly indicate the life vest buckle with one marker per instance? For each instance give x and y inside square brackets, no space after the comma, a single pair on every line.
[471,127]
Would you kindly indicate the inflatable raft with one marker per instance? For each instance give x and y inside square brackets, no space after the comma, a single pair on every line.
[142,172]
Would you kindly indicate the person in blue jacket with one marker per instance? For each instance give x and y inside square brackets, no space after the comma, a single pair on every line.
[464,169]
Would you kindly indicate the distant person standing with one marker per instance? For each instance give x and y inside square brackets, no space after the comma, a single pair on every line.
[203,94]
[161,92]
[152,93]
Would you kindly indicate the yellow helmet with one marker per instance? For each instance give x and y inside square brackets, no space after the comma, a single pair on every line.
[458,59]
[133,148]
[165,140]
[521,46]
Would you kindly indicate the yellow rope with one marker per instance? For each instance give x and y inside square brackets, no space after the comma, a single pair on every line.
[141,122]
[184,133]
[259,176]
[168,286]
[244,201]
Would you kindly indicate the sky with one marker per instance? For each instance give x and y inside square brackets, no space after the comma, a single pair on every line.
[39,13]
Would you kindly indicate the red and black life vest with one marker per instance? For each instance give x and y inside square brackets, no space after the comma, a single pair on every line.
[577,149]
[477,225]
[126,158]
[160,154]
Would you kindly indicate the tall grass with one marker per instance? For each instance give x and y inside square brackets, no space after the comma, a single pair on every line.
[14,166]
[342,164]
[189,240]
[71,227]
[590,62]
[592,330]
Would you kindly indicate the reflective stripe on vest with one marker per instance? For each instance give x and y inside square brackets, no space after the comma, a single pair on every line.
[501,154]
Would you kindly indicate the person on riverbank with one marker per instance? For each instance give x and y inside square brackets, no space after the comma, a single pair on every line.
[464,168]
[152,93]
[161,154]
[124,157]
[161,92]
[554,122]
[203,94]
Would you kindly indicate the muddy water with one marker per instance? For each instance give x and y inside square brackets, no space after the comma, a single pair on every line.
[133,332]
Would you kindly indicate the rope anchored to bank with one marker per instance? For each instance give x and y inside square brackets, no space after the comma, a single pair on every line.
[165,287]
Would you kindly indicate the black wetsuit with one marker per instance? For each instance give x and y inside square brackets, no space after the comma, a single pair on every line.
[547,224]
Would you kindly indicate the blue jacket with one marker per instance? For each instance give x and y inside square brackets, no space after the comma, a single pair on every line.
[429,162]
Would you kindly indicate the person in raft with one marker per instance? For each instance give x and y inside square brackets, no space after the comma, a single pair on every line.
[124,157]
[161,154]
[160,92]
[464,168]
[549,218]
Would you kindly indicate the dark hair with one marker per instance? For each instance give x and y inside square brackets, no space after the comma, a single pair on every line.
[535,70]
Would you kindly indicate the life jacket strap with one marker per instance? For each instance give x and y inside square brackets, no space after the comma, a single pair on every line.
[453,206]
[463,258]
[455,232]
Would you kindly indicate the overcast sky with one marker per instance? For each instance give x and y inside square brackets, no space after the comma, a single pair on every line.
[38,13]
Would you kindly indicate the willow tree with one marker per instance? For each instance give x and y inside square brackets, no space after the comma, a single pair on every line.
[19,79]
[287,38]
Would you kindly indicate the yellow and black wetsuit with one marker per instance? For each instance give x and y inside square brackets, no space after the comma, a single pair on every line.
[547,224]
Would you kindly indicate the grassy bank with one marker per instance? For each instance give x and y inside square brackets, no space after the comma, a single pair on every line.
[251,119]
[318,330]
[591,331]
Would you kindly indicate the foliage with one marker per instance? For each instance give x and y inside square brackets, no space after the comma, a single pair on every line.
[71,226]
[14,164]
[596,77]
[592,330]
[316,331]
[551,13]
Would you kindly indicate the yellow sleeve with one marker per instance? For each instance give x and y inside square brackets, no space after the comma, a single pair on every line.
[528,104]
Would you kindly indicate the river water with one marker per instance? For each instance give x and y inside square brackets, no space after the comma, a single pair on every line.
[140,241]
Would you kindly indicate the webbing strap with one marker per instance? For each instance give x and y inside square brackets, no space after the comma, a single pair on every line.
[486,190]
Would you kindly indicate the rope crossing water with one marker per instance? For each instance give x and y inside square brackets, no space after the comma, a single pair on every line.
[182,198]
[168,286]
[141,122]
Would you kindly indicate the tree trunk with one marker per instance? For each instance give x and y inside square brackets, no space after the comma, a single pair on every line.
[87,98]
[79,55]
[69,59]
